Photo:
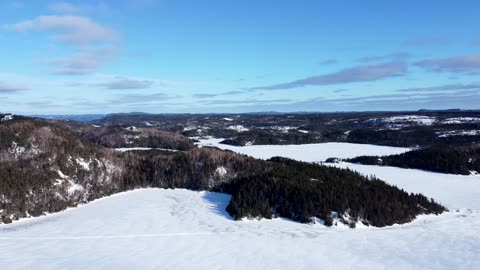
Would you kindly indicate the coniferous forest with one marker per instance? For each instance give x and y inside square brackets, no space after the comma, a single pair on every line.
[46,166]
[439,158]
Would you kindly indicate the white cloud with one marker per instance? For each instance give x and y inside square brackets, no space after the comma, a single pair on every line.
[459,64]
[71,29]
[94,44]
[8,88]
[364,73]
[121,83]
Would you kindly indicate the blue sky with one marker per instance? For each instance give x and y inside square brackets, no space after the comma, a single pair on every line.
[174,56]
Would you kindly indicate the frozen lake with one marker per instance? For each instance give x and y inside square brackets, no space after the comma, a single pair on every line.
[307,152]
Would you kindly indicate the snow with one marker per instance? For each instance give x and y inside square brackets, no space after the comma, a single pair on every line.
[142,149]
[450,133]
[221,171]
[62,175]
[238,128]
[84,164]
[6,117]
[189,128]
[228,119]
[418,119]
[181,229]
[461,120]
[303,131]
[281,128]
[58,182]
[73,188]
[401,121]
[16,149]
[307,152]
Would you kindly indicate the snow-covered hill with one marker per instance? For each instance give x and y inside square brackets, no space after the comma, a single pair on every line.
[181,229]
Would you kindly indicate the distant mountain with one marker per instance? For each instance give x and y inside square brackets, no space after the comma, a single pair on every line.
[73,117]
[129,113]
[446,110]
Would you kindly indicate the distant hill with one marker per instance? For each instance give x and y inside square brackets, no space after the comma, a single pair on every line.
[47,166]
[73,117]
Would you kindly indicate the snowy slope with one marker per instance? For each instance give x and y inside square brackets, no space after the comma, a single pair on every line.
[181,229]
[307,152]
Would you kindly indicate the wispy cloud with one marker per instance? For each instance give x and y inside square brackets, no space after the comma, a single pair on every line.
[425,41]
[82,63]
[122,83]
[400,101]
[212,95]
[400,56]
[247,101]
[43,103]
[203,95]
[8,88]
[447,87]
[93,43]
[128,101]
[459,64]
[328,62]
[362,73]
[77,30]
[143,98]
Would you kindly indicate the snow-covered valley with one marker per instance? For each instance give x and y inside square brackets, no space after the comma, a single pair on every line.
[181,229]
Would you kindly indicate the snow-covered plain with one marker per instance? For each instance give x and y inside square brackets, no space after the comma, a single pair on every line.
[181,229]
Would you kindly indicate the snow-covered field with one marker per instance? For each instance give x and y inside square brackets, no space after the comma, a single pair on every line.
[181,229]
[307,152]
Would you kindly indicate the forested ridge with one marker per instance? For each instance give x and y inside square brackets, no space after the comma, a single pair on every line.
[47,166]
[300,191]
[121,136]
[438,158]
[404,129]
